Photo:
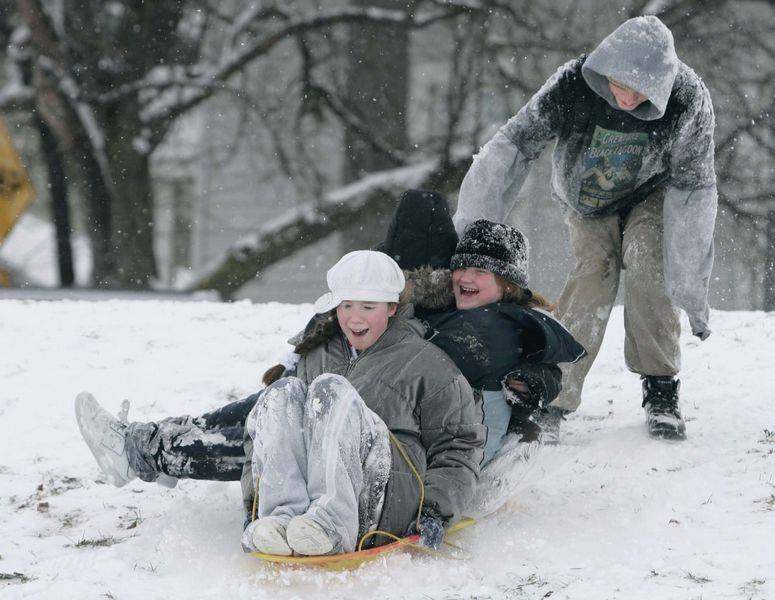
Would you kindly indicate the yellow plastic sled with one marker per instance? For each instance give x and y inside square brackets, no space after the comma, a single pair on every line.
[353,560]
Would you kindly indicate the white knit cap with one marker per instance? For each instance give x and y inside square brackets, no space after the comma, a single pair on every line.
[363,275]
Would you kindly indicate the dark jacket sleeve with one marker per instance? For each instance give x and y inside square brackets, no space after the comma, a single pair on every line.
[543,380]
[541,119]
[453,436]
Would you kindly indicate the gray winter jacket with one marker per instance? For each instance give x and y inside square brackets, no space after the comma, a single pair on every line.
[607,159]
[428,406]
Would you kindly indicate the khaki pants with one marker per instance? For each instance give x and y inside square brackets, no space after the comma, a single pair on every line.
[603,247]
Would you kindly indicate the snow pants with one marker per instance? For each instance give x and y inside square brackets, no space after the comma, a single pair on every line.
[602,248]
[207,447]
[320,451]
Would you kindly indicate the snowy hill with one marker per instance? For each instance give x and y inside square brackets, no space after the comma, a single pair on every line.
[609,514]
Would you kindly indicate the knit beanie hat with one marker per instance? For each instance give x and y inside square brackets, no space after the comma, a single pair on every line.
[364,275]
[497,247]
[421,233]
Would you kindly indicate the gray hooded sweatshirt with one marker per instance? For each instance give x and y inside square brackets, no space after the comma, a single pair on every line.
[607,159]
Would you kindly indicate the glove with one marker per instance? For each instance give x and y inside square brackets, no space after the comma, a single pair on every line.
[516,392]
[543,383]
[431,530]
[248,545]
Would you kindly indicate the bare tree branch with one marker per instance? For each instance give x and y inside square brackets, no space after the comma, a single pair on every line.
[164,110]
[352,121]
[308,224]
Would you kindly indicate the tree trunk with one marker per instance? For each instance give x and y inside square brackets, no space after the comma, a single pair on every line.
[132,214]
[61,117]
[378,87]
[54,159]
[60,208]
[769,264]
[378,84]
[98,204]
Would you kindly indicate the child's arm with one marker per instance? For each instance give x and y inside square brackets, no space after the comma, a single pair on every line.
[453,436]
[533,385]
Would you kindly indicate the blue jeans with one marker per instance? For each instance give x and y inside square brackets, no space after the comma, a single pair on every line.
[497,413]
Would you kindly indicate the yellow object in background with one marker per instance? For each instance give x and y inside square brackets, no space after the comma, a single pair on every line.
[16,191]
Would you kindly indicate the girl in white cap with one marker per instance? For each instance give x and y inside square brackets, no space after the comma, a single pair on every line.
[371,420]
[363,290]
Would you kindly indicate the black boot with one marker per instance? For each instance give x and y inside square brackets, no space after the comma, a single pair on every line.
[660,400]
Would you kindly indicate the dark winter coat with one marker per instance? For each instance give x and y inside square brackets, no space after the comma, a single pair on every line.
[490,342]
[607,159]
[428,406]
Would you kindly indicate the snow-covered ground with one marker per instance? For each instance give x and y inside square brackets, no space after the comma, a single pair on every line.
[609,514]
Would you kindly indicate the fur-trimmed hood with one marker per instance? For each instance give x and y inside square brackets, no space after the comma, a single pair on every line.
[429,289]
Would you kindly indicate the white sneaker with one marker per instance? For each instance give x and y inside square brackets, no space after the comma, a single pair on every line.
[307,537]
[105,436]
[268,536]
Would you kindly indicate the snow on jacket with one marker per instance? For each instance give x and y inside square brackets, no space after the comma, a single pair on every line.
[607,159]
[428,406]
[493,341]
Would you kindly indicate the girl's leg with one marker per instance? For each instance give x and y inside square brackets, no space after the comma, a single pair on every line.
[497,414]
[206,447]
[348,462]
[209,447]
[501,478]
[279,462]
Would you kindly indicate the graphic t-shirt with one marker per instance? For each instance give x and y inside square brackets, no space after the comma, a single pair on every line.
[610,166]
[606,160]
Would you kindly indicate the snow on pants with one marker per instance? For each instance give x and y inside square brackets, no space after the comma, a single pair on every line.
[602,247]
[320,451]
[207,447]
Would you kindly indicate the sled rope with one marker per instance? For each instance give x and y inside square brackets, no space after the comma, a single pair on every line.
[399,446]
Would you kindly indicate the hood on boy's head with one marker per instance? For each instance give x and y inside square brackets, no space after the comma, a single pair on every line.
[640,54]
